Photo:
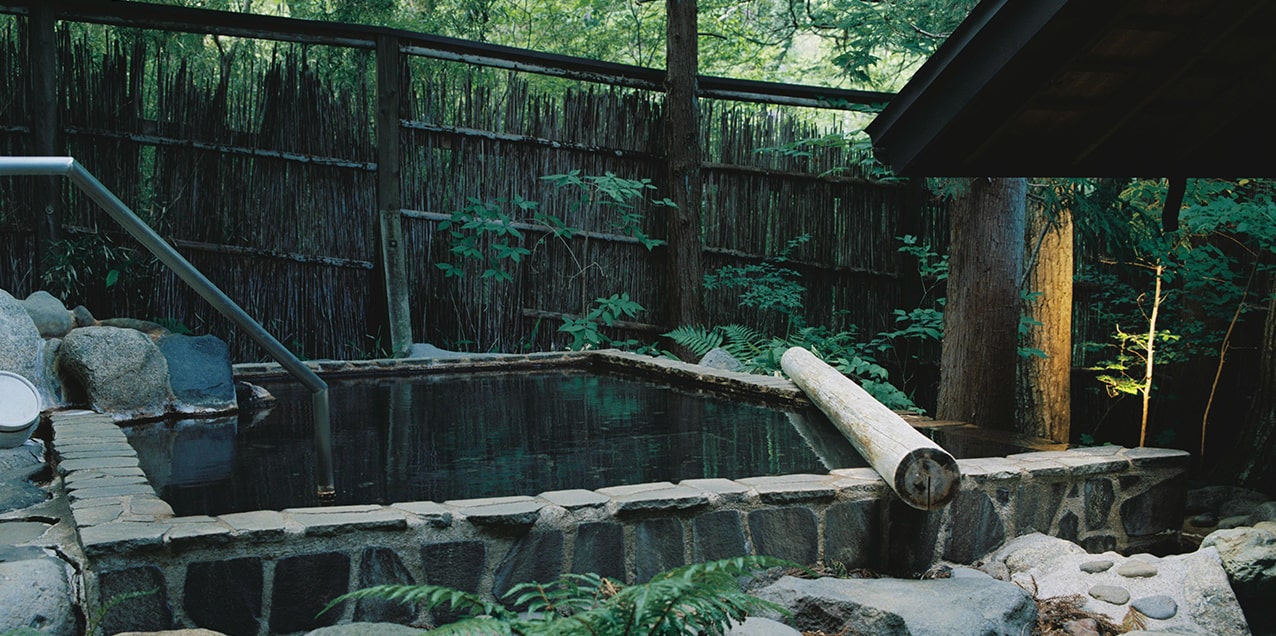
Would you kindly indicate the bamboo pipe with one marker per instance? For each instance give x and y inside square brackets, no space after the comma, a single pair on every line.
[924,475]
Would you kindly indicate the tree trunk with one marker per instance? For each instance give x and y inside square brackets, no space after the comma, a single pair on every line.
[981,315]
[45,130]
[1255,453]
[682,136]
[1045,384]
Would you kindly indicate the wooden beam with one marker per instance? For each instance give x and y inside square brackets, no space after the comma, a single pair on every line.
[390,196]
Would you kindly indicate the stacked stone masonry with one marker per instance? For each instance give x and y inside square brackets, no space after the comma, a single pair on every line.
[273,571]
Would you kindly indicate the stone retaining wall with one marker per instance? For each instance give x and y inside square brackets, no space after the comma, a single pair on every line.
[271,572]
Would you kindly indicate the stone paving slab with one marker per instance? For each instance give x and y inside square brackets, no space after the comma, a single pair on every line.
[573,499]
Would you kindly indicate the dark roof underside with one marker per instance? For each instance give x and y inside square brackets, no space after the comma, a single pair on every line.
[1157,88]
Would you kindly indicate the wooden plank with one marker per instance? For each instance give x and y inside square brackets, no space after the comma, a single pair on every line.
[390,196]
[924,475]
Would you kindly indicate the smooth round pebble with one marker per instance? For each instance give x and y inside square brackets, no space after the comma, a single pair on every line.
[1111,594]
[1094,567]
[1160,607]
[1136,569]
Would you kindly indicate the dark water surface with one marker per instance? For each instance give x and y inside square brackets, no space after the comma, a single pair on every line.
[435,438]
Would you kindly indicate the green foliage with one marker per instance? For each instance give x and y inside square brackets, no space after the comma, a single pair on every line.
[485,232]
[73,266]
[491,232]
[767,286]
[585,332]
[703,598]
[617,195]
[1204,286]
[94,622]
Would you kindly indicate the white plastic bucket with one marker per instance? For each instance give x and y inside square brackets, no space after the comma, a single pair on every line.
[19,409]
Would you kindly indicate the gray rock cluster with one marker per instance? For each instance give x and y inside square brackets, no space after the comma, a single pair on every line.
[35,589]
[967,602]
[1180,594]
[129,368]
[17,465]
[1240,524]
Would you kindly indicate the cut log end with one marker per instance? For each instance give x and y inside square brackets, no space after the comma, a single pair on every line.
[927,478]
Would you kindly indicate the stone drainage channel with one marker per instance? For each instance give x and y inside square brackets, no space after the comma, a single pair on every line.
[272,571]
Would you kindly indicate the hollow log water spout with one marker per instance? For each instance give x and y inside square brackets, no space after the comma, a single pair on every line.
[922,473]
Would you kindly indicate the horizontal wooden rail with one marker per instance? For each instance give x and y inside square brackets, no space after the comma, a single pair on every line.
[439,217]
[799,176]
[189,20]
[278,254]
[157,140]
[527,139]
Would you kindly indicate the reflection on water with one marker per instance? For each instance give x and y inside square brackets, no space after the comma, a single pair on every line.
[480,435]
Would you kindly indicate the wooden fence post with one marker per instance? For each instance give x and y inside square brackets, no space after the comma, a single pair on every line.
[45,128]
[390,197]
[682,150]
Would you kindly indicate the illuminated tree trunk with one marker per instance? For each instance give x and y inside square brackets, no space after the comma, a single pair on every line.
[981,315]
[1045,386]
[1255,452]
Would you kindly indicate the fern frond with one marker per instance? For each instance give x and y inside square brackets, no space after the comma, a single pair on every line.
[698,340]
[475,626]
[748,346]
[432,596]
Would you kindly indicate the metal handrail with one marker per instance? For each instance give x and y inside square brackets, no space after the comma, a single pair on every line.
[81,177]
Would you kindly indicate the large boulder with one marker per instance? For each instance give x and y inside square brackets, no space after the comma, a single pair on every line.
[116,371]
[17,466]
[1187,593]
[1249,557]
[718,358]
[49,314]
[20,340]
[36,595]
[199,373]
[957,606]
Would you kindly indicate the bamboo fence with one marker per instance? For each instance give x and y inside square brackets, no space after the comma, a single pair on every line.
[260,166]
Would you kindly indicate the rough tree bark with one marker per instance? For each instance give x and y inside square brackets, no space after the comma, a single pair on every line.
[682,136]
[1045,384]
[981,315]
